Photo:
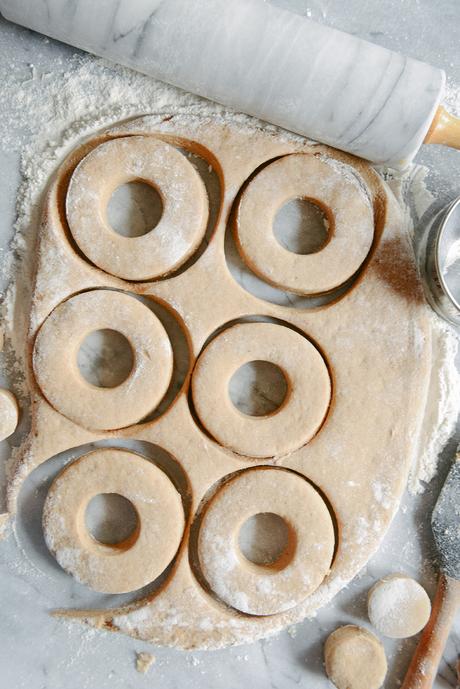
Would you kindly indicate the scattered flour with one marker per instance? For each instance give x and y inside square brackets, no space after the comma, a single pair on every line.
[452,98]
[398,606]
[442,405]
[443,398]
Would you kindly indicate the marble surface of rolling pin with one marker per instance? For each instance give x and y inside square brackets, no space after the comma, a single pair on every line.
[262,60]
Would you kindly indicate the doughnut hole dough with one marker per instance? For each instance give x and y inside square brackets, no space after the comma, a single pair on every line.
[57,373]
[350,217]
[9,414]
[142,557]
[185,207]
[266,589]
[355,658]
[398,606]
[297,419]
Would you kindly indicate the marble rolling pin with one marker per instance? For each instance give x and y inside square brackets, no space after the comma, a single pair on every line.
[264,61]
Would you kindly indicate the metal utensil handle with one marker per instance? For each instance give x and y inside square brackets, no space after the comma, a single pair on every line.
[424,665]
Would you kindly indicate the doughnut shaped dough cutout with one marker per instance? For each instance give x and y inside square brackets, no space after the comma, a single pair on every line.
[133,563]
[185,207]
[350,218]
[266,589]
[297,419]
[9,414]
[355,658]
[57,373]
[398,606]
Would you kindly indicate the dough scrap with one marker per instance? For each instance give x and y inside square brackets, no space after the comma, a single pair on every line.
[398,606]
[144,661]
[185,207]
[355,658]
[9,414]
[145,554]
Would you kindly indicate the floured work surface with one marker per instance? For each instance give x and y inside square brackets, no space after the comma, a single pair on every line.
[344,450]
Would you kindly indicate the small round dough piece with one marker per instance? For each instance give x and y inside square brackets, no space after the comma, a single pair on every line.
[302,412]
[56,369]
[398,606]
[355,658]
[133,563]
[300,569]
[9,413]
[185,207]
[350,219]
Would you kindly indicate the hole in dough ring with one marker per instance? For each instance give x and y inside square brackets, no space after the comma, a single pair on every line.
[56,367]
[137,159]
[270,589]
[351,225]
[305,406]
[141,558]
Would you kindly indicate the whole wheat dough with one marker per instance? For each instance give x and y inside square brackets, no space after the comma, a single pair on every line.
[348,212]
[266,589]
[142,557]
[305,405]
[56,350]
[374,339]
[9,413]
[183,220]
[355,658]
[398,606]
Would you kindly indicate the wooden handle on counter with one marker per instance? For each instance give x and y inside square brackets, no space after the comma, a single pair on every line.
[445,129]
[424,665]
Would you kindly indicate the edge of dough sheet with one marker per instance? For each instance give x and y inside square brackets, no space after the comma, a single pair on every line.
[182,613]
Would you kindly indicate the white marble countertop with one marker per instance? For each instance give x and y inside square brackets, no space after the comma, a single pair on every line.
[40,652]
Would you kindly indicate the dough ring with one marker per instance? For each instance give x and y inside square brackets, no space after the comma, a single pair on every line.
[355,658]
[300,415]
[185,207]
[9,414]
[349,214]
[143,556]
[57,373]
[398,606]
[266,589]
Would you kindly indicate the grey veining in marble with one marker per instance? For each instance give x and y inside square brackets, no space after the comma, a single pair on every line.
[262,60]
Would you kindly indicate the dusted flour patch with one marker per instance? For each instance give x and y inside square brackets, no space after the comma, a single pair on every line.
[441,407]
[398,606]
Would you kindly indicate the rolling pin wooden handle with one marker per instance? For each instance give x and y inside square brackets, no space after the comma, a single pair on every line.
[424,665]
[445,129]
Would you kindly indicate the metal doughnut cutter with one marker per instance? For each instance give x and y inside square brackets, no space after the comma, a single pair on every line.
[440,262]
